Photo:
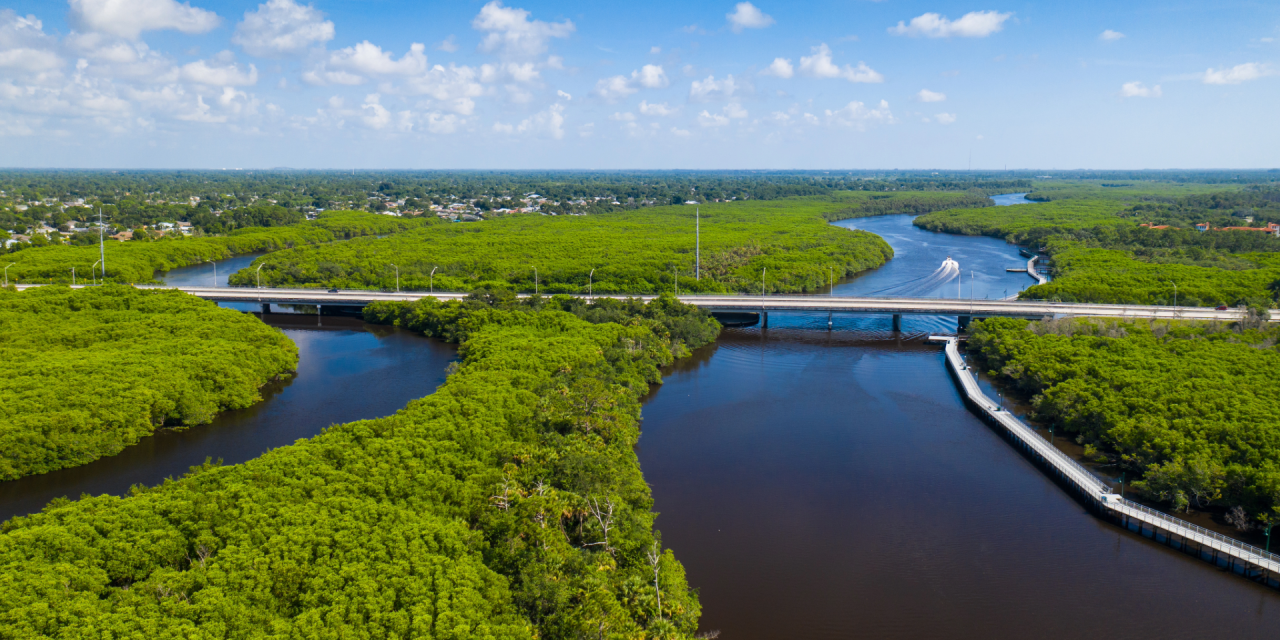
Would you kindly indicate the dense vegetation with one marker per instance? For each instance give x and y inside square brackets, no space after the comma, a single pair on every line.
[1100,253]
[633,252]
[862,204]
[138,261]
[1190,408]
[87,372]
[508,504]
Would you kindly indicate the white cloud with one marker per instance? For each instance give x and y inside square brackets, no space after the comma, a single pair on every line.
[24,46]
[614,88]
[857,115]
[129,18]
[975,24]
[1138,90]
[658,109]
[708,119]
[443,123]
[711,89]
[1110,35]
[746,16]
[655,50]
[375,115]
[735,111]
[281,28]
[499,127]
[650,76]
[549,122]
[564,94]
[513,35]
[353,65]
[1237,74]
[680,133]
[819,65]
[926,95]
[626,116]
[454,88]
[448,45]
[223,73]
[945,118]
[780,67]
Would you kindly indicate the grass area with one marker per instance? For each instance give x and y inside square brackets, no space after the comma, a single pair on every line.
[635,252]
[139,261]
[86,372]
[509,504]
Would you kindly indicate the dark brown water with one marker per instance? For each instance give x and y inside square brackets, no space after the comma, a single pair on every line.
[817,485]
[347,370]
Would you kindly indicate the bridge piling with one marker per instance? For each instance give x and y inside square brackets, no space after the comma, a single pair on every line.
[764,319]
[266,308]
[897,323]
[962,322]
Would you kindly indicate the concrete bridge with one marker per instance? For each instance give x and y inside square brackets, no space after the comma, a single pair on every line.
[963,309]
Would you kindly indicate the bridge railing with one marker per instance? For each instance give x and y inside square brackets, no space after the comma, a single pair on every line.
[1172,523]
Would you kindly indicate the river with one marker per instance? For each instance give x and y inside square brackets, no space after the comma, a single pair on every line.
[815,484]
[824,484]
[347,370]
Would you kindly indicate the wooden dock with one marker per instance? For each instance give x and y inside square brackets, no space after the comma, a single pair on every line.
[1224,551]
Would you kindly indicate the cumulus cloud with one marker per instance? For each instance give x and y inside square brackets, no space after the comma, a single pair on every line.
[819,65]
[658,109]
[1110,35]
[129,18]
[945,118]
[1138,90]
[780,67]
[454,88]
[546,123]
[712,89]
[563,94]
[731,111]
[282,28]
[221,71]
[448,45]
[355,64]
[857,115]
[625,116]
[746,16]
[24,46]
[926,95]
[650,76]
[680,133]
[975,24]
[512,34]
[1237,74]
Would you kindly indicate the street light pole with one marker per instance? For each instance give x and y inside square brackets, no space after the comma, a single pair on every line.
[1268,549]
[397,278]
[697,251]
[73,276]
[102,246]
[675,277]
[94,273]
[432,280]
[535,281]
[589,277]
[258,273]
[6,273]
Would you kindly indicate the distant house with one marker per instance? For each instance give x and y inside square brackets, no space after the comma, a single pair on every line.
[185,228]
[1203,226]
[1271,228]
[1156,226]
[123,235]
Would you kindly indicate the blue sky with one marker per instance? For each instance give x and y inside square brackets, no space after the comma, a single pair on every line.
[656,85]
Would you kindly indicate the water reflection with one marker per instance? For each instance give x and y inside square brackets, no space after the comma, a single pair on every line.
[833,485]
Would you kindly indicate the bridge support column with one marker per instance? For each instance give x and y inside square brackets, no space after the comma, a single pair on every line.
[764,319]
[897,322]
[266,308]
[962,322]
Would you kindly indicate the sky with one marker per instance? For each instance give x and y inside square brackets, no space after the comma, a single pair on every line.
[523,84]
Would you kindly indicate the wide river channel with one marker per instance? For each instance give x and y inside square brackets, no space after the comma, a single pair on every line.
[815,484]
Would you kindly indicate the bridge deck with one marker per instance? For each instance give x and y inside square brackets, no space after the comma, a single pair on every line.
[1095,489]
[800,303]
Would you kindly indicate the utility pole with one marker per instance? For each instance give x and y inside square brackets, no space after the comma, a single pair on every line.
[6,273]
[397,278]
[589,277]
[73,276]
[432,283]
[535,281]
[675,277]
[102,246]
[697,247]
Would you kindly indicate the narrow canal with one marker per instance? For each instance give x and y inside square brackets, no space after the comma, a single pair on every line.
[824,484]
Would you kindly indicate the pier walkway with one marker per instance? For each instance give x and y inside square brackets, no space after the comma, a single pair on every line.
[1224,551]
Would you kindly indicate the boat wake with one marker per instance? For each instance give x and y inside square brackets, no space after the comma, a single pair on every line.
[949,271]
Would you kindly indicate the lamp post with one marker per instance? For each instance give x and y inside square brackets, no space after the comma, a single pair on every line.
[258,273]
[215,272]
[1121,484]
[397,278]
[431,284]
[73,276]
[1175,292]
[589,277]
[93,272]
[535,281]
[697,250]
[1268,532]
[675,277]
[6,273]
[831,281]
[762,274]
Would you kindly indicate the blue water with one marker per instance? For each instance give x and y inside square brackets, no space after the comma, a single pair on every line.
[214,274]
[1009,199]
